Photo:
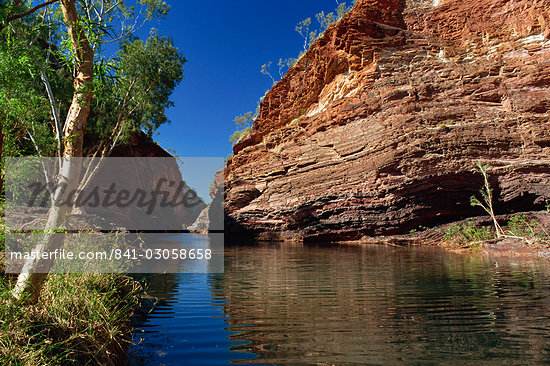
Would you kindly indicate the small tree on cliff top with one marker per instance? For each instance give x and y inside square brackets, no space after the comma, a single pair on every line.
[309,33]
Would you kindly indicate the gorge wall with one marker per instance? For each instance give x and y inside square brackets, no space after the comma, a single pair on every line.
[144,174]
[377,128]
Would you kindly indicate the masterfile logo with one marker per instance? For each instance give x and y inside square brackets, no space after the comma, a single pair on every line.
[132,215]
[147,194]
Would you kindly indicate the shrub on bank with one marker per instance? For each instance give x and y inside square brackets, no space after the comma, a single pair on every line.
[519,227]
[522,225]
[468,234]
[79,319]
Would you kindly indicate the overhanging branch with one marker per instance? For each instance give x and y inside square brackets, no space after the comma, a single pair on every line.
[28,12]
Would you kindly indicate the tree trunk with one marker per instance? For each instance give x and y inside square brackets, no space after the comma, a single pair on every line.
[2,165]
[30,282]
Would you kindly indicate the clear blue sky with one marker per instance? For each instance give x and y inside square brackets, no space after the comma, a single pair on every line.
[226,42]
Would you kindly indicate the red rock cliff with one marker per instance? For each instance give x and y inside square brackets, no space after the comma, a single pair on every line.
[377,129]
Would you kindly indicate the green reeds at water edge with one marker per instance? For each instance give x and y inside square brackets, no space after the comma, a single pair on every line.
[80,319]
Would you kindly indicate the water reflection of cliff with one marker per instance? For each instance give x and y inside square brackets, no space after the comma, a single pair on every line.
[380,305]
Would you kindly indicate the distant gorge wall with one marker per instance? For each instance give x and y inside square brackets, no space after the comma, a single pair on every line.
[140,146]
[377,128]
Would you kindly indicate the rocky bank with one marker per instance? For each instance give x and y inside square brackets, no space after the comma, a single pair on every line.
[377,128]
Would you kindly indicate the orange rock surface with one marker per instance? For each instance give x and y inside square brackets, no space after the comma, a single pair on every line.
[377,128]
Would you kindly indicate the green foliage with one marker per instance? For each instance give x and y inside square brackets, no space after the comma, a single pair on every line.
[2,229]
[244,124]
[21,174]
[303,30]
[245,119]
[265,69]
[310,33]
[487,198]
[110,21]
[80,319]
[150,70]
[24,107]
[134,89]
[521,226]
[240,135]
[324,21]
[421,228]
[131,88]
[468,234]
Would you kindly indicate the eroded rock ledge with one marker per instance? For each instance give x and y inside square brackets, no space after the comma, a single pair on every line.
[377,129]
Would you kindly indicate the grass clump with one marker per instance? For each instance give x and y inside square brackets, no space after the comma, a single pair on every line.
[79,319]
[529,230]
[521,226]
[518,227]
[469,234]
[244,125]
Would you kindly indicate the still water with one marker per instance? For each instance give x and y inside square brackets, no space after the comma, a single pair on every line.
[289,305]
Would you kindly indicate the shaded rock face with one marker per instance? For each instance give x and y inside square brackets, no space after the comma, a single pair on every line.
[159,174]
[211,218]
[142,146]
[377,129]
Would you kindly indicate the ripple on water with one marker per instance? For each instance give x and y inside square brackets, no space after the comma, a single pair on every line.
[282,304]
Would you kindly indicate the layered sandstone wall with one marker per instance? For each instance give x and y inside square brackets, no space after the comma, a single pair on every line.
[377,129]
